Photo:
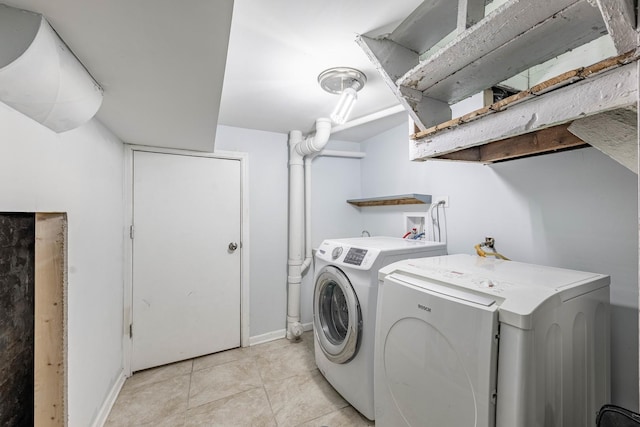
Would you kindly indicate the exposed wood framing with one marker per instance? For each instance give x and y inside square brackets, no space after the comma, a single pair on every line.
[50,322]
[516,36]
[470,12]
[615,133]
[392,60]
[595,91]
[620,19]
[553,139]
[429,23]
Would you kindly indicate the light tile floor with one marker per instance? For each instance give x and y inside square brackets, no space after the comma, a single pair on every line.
[271,384]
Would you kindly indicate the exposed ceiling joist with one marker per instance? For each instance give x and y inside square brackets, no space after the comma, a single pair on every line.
[578,100]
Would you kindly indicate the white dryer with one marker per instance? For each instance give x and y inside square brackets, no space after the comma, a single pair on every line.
[469,341]
[344,308]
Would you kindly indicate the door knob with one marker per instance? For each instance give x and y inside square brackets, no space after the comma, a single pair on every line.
[233,246]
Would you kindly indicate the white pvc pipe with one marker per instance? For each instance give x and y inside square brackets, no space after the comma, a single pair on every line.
[307,213]
[345,154]
[369,118]
[294,272]
[298,149]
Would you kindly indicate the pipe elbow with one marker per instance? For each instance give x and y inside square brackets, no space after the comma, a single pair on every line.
[317,142]
[294,331]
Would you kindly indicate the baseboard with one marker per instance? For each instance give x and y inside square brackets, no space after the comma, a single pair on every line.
[101,418]
[276,335]
[269,336]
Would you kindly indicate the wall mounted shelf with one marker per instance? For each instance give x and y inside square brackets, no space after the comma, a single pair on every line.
[404,199]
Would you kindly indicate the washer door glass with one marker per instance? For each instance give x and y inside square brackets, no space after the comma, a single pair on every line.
[336,315]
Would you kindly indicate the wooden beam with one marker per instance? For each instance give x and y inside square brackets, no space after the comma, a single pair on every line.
[548,140]
[514,37]
[554,83]
[572,27]
[620,18]
[49,322]
[497,29]
[615,133]
[609,90]
[392,61]
[470,12]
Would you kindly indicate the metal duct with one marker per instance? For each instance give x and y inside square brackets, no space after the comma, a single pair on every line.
[40,76]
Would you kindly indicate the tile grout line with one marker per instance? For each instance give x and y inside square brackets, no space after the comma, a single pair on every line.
[186,409]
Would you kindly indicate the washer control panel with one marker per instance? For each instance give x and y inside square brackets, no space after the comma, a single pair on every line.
[355,256]
[351,256]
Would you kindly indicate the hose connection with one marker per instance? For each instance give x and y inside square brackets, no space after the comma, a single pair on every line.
[489,242]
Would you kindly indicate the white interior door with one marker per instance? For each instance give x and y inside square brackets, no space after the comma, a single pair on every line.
[186,272]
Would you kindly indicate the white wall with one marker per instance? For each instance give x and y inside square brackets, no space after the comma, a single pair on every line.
[575,209]
[79,172]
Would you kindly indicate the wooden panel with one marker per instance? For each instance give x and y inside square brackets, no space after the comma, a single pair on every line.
[572,27]
[553,139]
[50,303]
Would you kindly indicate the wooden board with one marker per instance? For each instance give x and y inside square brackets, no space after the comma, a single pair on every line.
[404,199]
[50,322]
[552,139]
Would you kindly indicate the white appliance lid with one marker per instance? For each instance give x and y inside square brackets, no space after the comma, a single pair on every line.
[517,287]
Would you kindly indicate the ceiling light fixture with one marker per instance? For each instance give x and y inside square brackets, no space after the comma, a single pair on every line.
[346,82]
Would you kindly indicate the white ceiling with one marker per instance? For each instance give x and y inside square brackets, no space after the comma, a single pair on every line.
[161,63]
[278,48]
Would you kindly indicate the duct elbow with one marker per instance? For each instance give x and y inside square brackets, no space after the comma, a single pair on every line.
[40,77]
[317,142]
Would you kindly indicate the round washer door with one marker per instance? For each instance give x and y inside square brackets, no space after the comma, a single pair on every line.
[337,317]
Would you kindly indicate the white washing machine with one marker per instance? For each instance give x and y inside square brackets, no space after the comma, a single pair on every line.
[344,308]
[469,341]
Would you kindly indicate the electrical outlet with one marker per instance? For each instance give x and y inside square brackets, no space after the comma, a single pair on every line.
[437,199]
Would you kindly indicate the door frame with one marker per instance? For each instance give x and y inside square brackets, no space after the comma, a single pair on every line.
[243,158]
